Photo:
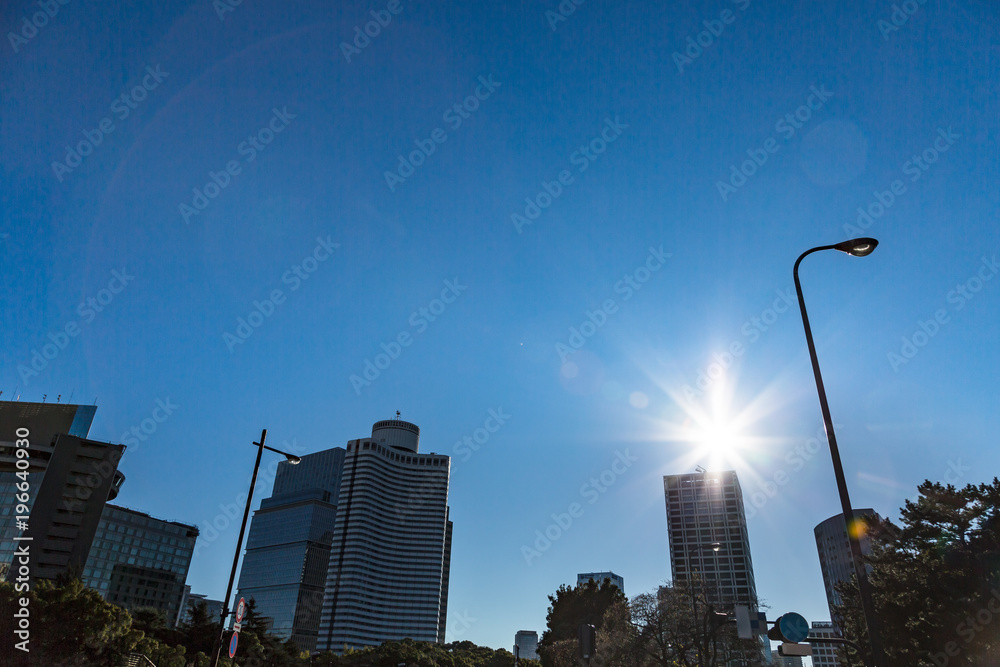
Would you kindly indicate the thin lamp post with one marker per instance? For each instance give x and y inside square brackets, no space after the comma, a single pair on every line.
[294,460]
[858,248]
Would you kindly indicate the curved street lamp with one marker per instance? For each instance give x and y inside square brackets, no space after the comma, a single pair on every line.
[292,459]
[858,248]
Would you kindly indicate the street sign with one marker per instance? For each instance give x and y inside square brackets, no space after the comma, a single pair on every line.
[232,644]
[742,613]
[759,624]
[241,609]
[749,624]
[794,628]
[795,649]
[237,627]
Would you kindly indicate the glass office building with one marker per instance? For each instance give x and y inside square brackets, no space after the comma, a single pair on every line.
[288,549]
[139,561]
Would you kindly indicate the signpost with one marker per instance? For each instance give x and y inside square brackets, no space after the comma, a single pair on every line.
[794,627]
[241,610]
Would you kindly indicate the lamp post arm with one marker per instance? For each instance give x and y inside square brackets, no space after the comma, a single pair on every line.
[276,451]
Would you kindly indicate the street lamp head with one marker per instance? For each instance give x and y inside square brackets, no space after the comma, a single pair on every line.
[292,459]
[858,247]
[715,546]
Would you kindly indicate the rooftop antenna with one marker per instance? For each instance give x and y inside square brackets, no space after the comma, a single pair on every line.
[71,396]
[58,398]
[44,396]
[700,469]
[397,414]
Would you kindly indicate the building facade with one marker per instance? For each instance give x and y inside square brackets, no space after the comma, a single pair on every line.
[598,577]
[139,561]
[707,534]
[288,549]
[80,477]
[390,560]
[834,549]
[43,422]
[787,660]
[823,654]
[526,644]
[708,539]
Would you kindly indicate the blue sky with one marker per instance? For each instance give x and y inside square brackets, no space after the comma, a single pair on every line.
[641,125]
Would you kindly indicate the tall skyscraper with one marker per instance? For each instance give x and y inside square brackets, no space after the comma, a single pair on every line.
[707,534]
[598,577]
[139,561]
[288,550]
[43,422]
[526,643]
[834,548]
[391,553]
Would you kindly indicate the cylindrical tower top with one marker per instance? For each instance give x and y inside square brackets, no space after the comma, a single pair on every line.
[397,434]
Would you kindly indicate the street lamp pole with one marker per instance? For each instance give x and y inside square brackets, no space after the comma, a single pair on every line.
[294,460]
[858,248]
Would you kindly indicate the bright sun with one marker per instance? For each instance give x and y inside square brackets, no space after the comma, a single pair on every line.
[718,432]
